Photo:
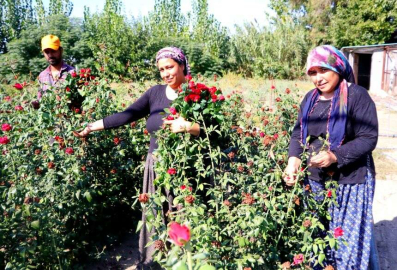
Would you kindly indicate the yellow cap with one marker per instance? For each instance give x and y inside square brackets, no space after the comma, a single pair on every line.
[50,42]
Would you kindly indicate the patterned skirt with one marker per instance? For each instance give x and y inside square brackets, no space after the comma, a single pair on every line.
[354,215]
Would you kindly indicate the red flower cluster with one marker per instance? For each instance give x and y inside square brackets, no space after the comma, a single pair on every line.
[200,91]
[6,127]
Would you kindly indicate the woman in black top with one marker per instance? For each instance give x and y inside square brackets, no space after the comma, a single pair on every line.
[173,67]
[342,113]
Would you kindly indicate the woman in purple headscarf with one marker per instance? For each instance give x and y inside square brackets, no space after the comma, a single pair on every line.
[173,67]
[343,113]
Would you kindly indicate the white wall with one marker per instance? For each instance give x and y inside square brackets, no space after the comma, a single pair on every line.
[376,72]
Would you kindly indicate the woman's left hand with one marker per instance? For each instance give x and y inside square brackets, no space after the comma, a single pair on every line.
[323,159]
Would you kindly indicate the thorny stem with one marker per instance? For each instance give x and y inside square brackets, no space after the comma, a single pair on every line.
[213,168]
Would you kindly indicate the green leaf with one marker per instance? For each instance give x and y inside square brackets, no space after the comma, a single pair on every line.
[332,242]
[87,195]
[180,266]
[35,224]
[207,267]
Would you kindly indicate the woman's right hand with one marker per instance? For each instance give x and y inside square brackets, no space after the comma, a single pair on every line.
[289,175]
[83,133]
[291,171]
[97,125]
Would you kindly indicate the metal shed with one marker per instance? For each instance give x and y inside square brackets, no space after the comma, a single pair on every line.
[374,66]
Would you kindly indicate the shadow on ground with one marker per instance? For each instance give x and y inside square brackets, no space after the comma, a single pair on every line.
[386,241]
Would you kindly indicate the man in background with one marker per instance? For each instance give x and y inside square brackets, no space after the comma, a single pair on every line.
[57,71]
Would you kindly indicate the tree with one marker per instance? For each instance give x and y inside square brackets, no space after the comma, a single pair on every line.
[363,22]
[15,16]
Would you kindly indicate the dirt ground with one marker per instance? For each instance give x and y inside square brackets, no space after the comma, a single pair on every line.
[125,254]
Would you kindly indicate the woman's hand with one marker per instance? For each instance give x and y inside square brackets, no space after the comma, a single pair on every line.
[181,125]
[98,125]
[323,159]
[291,171]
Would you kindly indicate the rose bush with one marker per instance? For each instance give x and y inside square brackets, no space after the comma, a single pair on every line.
[239,211]
[60,196]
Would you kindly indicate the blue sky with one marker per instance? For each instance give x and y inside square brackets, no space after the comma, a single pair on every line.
[228,12]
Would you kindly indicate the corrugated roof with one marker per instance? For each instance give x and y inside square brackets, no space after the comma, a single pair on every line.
[368,48]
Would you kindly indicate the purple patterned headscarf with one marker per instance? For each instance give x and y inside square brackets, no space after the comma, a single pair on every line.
[331,58]
[175,54]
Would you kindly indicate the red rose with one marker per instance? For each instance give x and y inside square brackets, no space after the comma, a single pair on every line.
[143,198]
[287,91]
[73,74]
[298,259]
[183,187]
[18,86]
[275,136]
[338,232]
[189,199]
[195,98]
[86,83]
[187,98]
[6,127]
[92,77]
[329,193]
[69,150]
[273,87]
[4,140]
[146,132]
[113,171]
[97,100]
[88,70]
[171,171]
[82,71]
[173,111]
[51,165]
[7,99]
[221,98]
[201,87]
[188,77]
[67,89]
[278,99]
[170,117]
[83,168]
[262,134]
[192,85]
[76,110]
[116,140]
[190,189]
[179,234]
[212,90]
[18,108]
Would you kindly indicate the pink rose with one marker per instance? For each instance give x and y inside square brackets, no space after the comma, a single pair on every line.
[6,127]
[69,150]
[298,259]
[179,234]
[221,98]
[4,140]
[171,171]
[18,86]
[188,77]
[262,134]
[18,108]
[173,111]
[338,232]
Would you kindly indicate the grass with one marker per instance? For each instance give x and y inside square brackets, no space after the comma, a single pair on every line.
[386,168]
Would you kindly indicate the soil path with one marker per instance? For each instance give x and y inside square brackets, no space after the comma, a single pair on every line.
[125,254]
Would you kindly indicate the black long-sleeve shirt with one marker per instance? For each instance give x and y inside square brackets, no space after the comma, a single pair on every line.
[152,103]
[360,138]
